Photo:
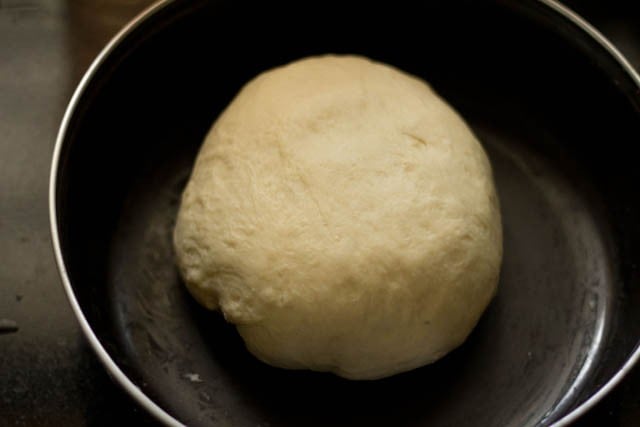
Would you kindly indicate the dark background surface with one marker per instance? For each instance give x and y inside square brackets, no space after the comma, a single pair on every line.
[48,374]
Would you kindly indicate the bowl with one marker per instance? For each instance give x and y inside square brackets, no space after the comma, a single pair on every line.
[555,106]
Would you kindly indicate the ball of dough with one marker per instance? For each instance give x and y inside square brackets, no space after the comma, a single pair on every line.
[344,218]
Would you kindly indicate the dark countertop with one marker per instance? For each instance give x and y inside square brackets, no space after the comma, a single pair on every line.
[48,374]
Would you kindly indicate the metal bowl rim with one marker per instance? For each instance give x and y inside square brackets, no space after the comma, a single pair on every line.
[112,368]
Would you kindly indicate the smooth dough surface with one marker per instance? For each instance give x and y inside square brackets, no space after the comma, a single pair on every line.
[344,218]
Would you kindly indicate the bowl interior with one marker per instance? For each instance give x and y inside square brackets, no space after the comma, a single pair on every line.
[559,120]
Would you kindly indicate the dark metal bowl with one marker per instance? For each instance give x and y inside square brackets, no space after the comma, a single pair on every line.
[557,109]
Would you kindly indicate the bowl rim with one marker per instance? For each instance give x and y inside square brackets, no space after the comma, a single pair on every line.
[107,361]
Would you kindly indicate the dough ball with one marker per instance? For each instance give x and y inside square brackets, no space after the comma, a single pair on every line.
[344,218]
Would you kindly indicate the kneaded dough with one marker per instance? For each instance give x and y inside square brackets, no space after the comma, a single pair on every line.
[344,218]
